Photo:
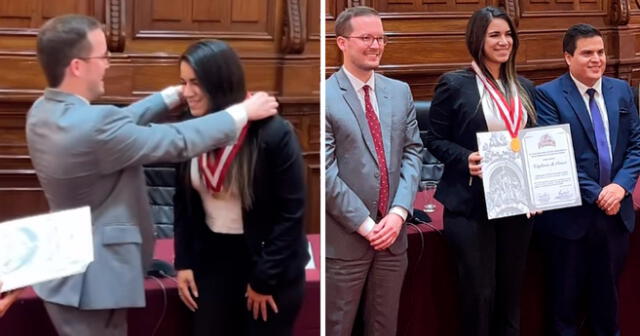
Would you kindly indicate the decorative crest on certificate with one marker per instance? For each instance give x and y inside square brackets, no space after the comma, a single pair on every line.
[541,175]
[45,247]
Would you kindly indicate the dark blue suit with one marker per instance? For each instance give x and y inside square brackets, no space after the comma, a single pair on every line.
[586,248]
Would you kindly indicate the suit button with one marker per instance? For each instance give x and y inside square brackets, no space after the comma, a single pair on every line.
[376,174]
[262,243]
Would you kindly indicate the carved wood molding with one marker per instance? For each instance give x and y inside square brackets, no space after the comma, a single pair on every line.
[115,25]
[355,3]
[295,27]
[620,12]
[513,10]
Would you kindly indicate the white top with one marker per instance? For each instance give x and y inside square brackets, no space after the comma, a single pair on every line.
[599,100]
[491,112]
[223,210]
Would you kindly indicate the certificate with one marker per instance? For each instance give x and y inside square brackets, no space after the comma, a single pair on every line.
[542,175]
[45,247]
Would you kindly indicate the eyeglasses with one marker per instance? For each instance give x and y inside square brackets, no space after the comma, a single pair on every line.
[368,39]
[106,57]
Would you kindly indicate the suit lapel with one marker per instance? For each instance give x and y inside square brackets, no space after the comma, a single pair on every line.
[610,101]
[574,98]
[385,116]
[477,120]
[350,96]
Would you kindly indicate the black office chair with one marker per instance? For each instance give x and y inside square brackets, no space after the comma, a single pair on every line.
[160,180]
[431,168]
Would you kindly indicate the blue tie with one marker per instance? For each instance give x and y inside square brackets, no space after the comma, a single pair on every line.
[604,160]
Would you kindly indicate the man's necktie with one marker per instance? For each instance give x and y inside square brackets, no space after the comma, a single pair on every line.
[376,134]
[604,159]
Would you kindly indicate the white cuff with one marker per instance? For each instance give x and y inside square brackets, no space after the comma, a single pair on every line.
[400,211]
[366,227]
[239,115]
[172,96]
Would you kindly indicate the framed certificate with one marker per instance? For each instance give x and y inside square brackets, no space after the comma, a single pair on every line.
[541,175]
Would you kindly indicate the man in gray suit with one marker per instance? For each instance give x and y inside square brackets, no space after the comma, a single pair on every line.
[92,155]
[372,170]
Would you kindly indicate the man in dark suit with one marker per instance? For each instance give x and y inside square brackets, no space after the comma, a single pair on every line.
[372,170]
[586,245]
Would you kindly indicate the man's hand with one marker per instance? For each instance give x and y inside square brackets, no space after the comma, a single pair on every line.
[180,89]
[7,299]
[610,198]
[386,232]
[475,168]
[260,105]
[613,210]
[257,303]
[533,213]
[187,287]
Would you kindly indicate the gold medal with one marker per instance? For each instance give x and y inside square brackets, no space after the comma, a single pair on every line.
[515,144]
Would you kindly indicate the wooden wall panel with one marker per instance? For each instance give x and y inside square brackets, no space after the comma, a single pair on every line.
[208,11]
[423,6]
[215,18]
[278,42]
[32,13]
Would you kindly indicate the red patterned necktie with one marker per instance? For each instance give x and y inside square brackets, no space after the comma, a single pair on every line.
[376,134]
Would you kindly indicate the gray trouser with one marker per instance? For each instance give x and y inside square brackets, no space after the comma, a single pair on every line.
[379,275]
[71,321]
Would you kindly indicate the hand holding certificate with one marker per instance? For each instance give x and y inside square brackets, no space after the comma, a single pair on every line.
[45,247]
[541,175]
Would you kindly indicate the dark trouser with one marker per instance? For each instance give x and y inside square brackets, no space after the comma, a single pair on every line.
[288,298]
[583,277]
[221,277]
[380,276]
[490,258]
[71,321]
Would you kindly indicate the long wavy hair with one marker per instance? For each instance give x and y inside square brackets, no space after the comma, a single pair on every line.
[221,77]
[475,37]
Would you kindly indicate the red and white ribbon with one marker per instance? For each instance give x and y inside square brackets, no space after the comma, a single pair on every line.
[215,165]
[511,114]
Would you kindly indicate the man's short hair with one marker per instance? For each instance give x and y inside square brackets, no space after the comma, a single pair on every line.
[576,32]
[62,39]
[343,21]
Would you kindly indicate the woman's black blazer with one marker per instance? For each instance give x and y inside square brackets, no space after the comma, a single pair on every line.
[456,115]
[274,227]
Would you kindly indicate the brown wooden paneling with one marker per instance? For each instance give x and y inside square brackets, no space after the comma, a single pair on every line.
[312,172]
[15,202]
[215,18]
[278,42]
[32,13]
[166,10]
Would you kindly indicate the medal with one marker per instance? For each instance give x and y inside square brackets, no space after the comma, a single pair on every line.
[515,144]
[511,114]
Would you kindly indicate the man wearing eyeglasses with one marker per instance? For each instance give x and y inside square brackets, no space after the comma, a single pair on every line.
[92,155]
[372,169]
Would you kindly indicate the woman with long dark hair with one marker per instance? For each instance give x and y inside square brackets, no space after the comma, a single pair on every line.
[240,243]
[490,254]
